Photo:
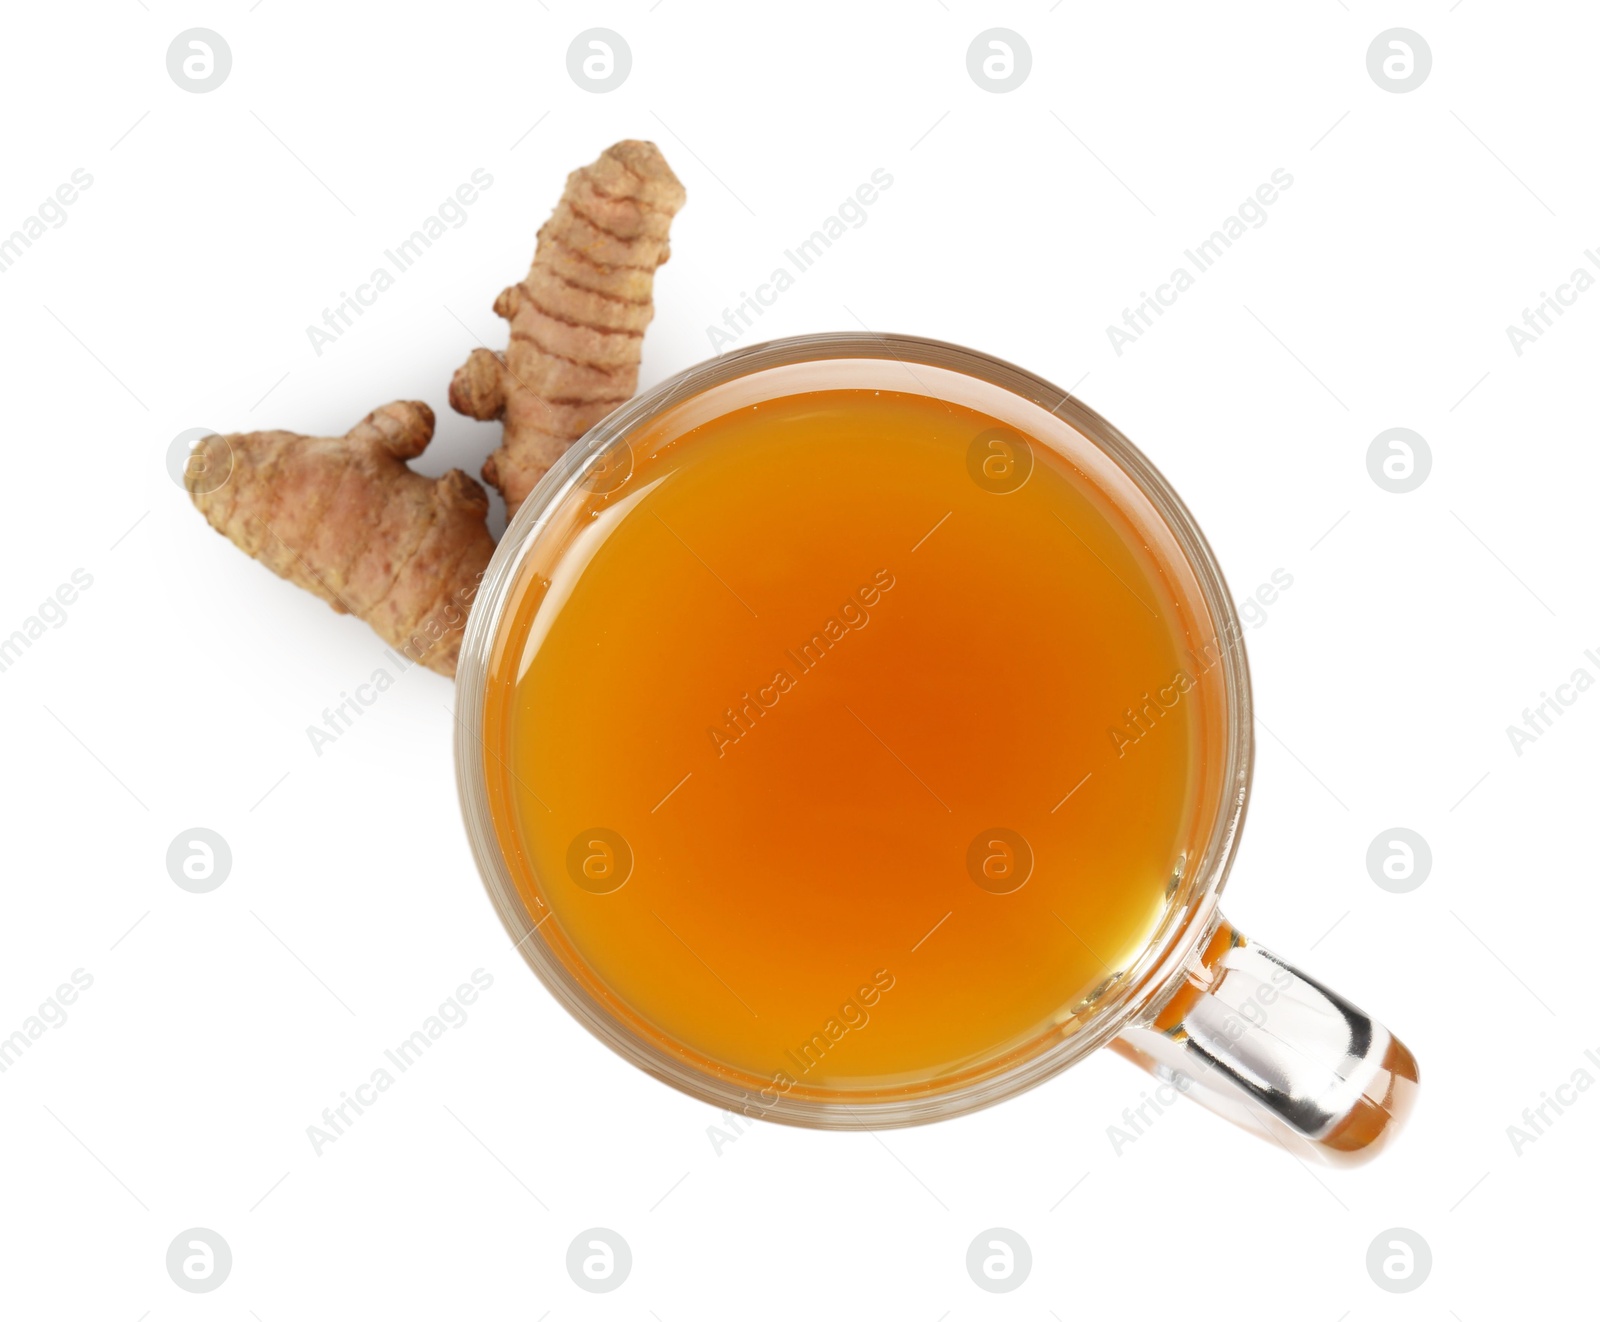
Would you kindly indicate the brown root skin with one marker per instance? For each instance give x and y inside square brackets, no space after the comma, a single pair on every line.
[578,319]
[476,388]
[346,518]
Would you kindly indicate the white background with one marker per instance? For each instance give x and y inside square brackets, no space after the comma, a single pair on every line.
[178,692]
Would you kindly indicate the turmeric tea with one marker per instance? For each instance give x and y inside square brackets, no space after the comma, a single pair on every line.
[833,761]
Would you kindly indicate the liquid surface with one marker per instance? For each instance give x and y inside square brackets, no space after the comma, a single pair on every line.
[893,764]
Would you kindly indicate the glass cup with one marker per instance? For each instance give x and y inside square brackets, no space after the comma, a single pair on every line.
[1208,1012]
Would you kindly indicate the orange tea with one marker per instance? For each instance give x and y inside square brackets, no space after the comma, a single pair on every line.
[850,739]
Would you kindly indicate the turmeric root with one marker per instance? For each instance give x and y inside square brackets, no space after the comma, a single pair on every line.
[578,319]
[345,518]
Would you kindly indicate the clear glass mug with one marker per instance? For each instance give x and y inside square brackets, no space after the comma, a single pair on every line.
[1213,1015]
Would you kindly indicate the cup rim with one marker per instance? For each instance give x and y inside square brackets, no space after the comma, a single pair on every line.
[1152,980]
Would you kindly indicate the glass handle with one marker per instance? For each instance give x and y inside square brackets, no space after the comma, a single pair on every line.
[1257,1041]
